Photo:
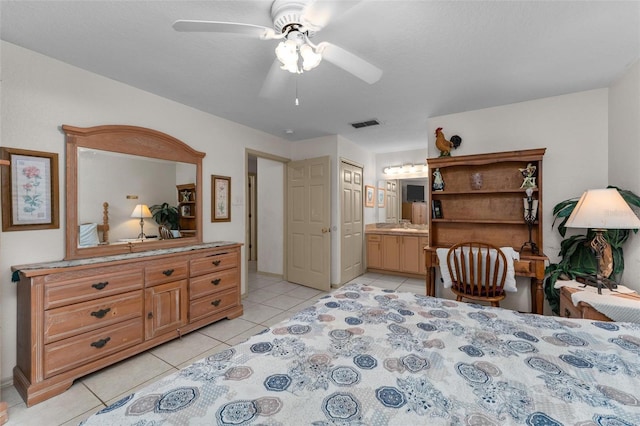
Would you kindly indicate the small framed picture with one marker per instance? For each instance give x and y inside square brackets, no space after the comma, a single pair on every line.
[381,197]
[220,198]
[29,190]
[186,210]
[369,199]
[436,209]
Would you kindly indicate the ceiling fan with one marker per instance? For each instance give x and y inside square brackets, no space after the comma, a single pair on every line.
[295,22]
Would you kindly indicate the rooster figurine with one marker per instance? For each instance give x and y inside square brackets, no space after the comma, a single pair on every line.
[445,146]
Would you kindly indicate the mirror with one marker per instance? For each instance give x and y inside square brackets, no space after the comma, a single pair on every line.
[406,197]
[125,166]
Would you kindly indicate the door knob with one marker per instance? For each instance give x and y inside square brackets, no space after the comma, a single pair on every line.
[325,230]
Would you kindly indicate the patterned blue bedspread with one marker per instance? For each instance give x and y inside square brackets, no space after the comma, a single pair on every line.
[368,356]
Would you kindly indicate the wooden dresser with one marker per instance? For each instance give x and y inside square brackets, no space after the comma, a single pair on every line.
[76,317]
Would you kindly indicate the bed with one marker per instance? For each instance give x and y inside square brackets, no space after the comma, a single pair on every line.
[369,356]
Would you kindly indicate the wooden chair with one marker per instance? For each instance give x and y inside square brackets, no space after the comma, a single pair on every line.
[478,272]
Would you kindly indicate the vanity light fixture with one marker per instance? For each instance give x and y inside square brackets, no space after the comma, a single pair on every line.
[141,211]
[406,170]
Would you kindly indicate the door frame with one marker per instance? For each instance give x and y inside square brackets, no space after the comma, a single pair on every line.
[248,152]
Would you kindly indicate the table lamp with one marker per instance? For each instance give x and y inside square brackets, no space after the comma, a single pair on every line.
[141,211]
[602,209]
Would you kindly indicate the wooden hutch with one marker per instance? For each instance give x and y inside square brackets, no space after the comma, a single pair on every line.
[482,200]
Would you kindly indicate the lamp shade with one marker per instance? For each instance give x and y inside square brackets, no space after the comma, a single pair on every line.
[140,211]
[603,209]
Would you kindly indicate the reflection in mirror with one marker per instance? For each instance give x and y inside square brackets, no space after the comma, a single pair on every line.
[404,206]
[123,181]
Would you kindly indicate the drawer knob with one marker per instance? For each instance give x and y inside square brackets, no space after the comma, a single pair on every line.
[216,302]
[101,313]
[216,281]
[567,313]
[150,315]
[100,343]
[100,286]
[216,262]
[168,272]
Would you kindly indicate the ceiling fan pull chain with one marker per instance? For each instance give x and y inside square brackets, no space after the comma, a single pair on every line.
[297,100]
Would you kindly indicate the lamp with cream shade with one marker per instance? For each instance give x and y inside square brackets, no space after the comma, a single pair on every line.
[141,211]
[602,209]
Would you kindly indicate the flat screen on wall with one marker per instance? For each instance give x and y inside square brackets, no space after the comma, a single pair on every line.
[415,193]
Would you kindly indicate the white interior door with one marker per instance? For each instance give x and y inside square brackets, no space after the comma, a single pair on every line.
[351,222]
[309,222]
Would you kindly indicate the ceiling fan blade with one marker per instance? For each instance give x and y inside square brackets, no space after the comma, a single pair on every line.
[275,81]
[349,62]
[317,13]
[224,27]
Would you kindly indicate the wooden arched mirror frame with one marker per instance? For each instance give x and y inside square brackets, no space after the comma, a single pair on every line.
[132,143]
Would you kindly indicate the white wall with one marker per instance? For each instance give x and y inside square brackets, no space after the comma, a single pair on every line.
[572,127]
[624,155]
[270,189]
[39,94]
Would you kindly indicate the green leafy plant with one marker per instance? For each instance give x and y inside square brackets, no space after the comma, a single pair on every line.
[166,214]
[577,255]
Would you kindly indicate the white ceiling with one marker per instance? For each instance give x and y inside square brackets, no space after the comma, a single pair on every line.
[438,57]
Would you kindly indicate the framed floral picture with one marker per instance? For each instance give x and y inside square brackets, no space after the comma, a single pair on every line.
[369,197]
[220,198]
[29,190]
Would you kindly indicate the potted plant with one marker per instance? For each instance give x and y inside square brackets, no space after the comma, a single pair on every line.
[577,255]
[166,215]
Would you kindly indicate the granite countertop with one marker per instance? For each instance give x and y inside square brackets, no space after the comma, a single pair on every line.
[103,259]
[396,229]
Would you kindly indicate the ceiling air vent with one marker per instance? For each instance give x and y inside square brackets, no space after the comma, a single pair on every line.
[367,123]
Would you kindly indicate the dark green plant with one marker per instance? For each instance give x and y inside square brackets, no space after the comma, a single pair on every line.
[577,255]
[166,214]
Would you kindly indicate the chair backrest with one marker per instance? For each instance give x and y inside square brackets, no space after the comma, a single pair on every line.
[477,269]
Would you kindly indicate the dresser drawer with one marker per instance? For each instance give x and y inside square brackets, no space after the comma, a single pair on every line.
[523,267]
[91,287]
[79,350]
[211,304]
[211,283]
[79,318]
[160,273]
[214,262]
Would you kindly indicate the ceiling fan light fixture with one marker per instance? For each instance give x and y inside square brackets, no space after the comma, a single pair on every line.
[297,53]
[286,52]
[310,59]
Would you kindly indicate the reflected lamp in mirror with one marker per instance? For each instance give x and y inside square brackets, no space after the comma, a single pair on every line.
[141,211]
[602,209]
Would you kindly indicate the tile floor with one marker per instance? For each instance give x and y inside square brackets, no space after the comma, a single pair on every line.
[268,301]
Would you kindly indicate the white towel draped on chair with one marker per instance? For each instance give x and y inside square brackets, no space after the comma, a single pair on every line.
[510,254]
